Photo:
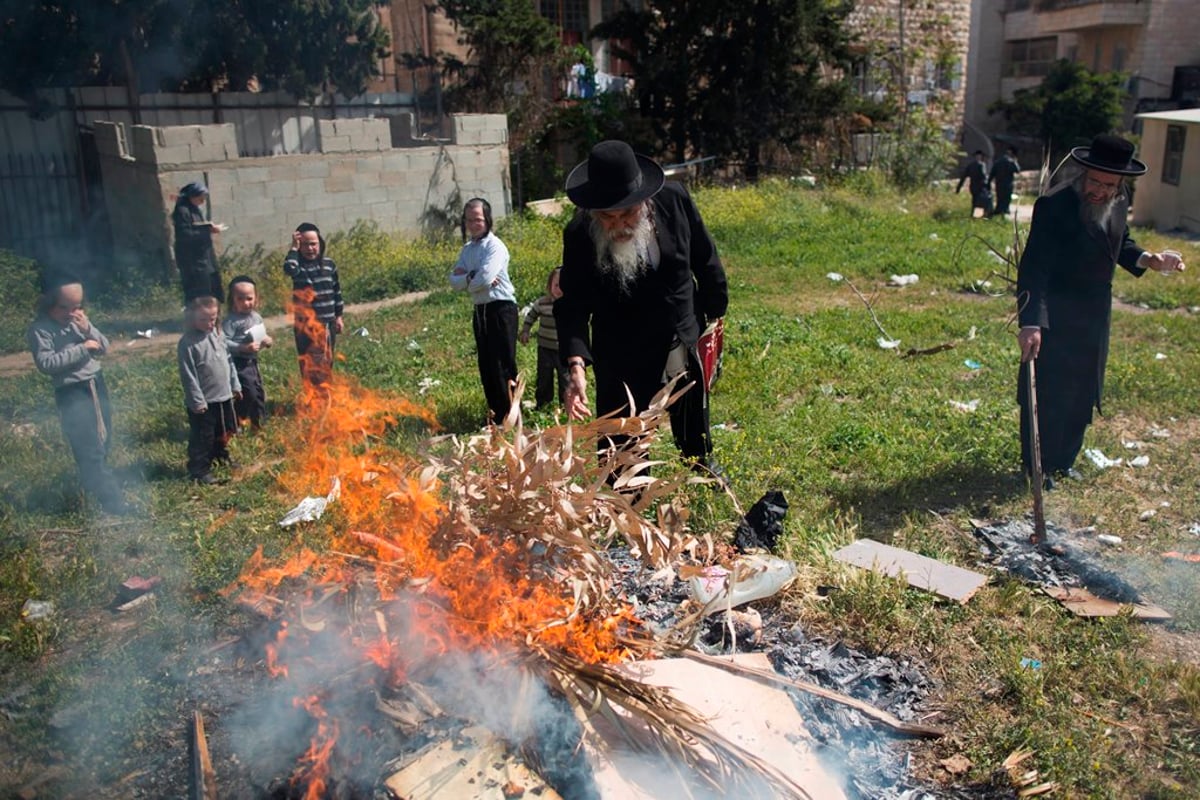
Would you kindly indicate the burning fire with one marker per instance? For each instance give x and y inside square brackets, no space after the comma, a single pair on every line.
[485,550]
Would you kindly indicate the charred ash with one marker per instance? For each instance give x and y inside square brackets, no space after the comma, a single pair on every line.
[1058,561]
[871,762]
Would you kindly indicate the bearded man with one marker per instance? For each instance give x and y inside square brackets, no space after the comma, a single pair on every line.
[1064,296]
[640,279]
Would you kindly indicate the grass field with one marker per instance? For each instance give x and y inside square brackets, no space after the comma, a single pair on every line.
[861,441]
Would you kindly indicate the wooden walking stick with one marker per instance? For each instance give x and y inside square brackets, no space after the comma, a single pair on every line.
[1035,459]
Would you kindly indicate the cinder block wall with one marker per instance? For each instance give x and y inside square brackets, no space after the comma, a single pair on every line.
[361,173]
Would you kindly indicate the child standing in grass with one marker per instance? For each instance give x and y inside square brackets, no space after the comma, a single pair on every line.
[245,335]
[210,384]
[317,302]
[67,347]
[541,311]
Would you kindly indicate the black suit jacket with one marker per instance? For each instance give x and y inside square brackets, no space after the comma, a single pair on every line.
[598,320]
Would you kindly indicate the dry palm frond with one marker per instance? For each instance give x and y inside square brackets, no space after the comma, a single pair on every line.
[558,497]
[673,730]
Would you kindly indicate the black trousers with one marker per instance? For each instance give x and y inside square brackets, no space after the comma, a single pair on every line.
[549,368]
[1003,198]
[86,416]
[253,405]
[689,414]
[495,328]
[210,435]
[1065,403]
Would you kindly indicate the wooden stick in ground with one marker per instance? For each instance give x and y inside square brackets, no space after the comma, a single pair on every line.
[775,679]
[1035,459]
[203,782]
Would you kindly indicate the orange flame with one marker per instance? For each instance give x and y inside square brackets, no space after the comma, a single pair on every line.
[389,528]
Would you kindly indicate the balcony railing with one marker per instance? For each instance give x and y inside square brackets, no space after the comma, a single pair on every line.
[1059,5]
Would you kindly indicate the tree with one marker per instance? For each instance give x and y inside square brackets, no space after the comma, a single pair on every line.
[301,46]
[1070,106]
[729,77]
[508,45]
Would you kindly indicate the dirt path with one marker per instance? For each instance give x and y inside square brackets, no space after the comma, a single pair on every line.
[19,363]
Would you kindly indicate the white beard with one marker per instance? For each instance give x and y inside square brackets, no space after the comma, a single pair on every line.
[625,260]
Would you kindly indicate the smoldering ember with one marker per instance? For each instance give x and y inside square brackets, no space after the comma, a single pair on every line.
[514,616]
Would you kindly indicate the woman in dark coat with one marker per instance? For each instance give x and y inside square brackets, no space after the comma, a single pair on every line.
[194,254]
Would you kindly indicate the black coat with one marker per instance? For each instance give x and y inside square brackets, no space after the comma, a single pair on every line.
[194,254]
[1003,172]
[1064,286]
[627,332]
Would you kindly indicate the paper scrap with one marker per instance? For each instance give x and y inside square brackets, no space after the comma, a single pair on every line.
[888,344]
[902,280]
[1100,460]
[311,508]
[257,332]
[835,276]
[968,406]
[1140,461]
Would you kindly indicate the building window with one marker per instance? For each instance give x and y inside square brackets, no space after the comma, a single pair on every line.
[1118,62]
[568,15]
[1029,58]
[1173,154]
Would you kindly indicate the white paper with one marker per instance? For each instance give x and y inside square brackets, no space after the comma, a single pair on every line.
[257,332]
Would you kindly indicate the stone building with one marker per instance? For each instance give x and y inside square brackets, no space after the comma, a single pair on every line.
[921,45]
[1155,42]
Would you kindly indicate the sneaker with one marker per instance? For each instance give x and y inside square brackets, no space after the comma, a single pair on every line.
[206,479]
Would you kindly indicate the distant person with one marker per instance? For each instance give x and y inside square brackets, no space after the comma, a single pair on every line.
[210,386]
[550,370]
[317,305]
[641,279]
[1064,296]
[67,347]
[482,272]
[245,335]
[1004,172]
[976,173]
[195,256]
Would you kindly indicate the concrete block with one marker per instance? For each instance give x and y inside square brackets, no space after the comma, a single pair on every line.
[162,156]
[341,167]
[224,133]
[335,144]
[277,189]
[316,201]
[244,192]
[283,169]
[145,139]
[378,194]
[340,183]
[208,152]
[289,207]
[110,139]
[175,135]
[313,168]
[368,165]
[246,175]
[365,180]
[310,185]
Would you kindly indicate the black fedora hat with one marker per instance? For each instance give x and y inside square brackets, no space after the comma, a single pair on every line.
[1109,153]
[613,177]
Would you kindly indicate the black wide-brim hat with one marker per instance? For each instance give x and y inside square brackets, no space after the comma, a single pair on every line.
[614,177]
[1109,153]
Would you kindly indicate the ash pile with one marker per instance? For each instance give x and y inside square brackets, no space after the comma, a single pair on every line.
[1060,561]
[871,763]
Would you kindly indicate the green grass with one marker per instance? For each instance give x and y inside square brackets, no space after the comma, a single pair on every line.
[861,441]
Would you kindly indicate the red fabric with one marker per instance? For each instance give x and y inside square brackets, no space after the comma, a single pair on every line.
[710,345]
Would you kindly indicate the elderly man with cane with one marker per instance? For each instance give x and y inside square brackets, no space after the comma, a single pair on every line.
[640,280]
[1064,296]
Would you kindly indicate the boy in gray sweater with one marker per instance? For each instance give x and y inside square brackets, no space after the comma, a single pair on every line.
[210,384]
[67,347]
